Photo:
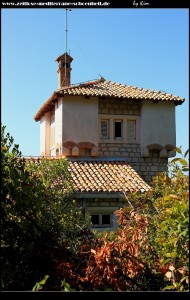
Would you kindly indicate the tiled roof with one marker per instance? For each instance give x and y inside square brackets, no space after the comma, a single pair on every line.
[104,88]
[105,176]
[101,176]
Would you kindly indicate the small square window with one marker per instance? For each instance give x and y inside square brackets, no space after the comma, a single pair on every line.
[101,220]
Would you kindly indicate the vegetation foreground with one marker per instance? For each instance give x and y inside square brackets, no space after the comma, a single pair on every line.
[47,246]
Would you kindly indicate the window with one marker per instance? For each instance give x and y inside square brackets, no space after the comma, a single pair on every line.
[131,130]
[104,129]
[118,129]
[67,65]
[95,219]
[101,219]
[106,219]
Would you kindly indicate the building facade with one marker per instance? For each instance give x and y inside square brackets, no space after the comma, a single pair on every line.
[103,121]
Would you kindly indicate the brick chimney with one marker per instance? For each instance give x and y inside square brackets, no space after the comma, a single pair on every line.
[64,70]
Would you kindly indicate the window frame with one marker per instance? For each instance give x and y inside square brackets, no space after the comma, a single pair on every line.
[103,211]
[100,224]
[124,138]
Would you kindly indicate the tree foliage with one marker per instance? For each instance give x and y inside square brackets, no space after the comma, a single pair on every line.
[46,245]
[150,251]
[38,214]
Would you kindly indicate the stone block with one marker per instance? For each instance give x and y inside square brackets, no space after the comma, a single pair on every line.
[145,153]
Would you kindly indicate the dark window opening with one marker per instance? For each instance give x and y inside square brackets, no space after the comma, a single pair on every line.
[118,129]
[95,219]
[67,65]
[101,220]
[105,219]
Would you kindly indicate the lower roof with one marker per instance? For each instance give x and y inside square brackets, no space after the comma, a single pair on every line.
[105,177]
[92,176]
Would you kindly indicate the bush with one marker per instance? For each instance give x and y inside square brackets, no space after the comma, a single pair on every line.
[38,215]
[149,251]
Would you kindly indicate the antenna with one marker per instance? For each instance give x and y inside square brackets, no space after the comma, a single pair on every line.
[66,39]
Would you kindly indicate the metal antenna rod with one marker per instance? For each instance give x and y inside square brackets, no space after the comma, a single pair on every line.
[66,39]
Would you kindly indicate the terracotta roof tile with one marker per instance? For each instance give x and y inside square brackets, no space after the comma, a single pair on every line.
[104,88]
[102,176]
[105,176]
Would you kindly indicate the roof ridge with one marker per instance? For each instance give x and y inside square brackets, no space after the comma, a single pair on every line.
[85,83]
[141,88]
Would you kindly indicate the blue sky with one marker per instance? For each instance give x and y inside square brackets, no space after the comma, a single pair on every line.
[146,48]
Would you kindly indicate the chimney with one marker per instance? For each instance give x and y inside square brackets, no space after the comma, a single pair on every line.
[64,70]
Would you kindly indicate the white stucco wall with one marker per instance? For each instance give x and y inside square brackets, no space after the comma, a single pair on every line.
[47,130]
[80,119]
[45,134]
[42,135]
[158,123]
[58,123]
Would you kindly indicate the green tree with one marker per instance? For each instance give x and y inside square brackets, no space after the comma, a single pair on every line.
[166,207]
[38,215]
[149,251]
[46,246]
[169,224]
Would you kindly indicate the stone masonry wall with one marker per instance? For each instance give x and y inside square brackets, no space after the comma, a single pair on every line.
[119,107]
[104,202]
[146,167]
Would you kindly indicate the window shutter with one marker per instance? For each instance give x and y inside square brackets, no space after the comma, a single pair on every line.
[131,130]
[104,129]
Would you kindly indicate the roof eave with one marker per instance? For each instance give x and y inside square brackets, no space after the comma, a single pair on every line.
[82,195]
[179,102]
[44,108]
